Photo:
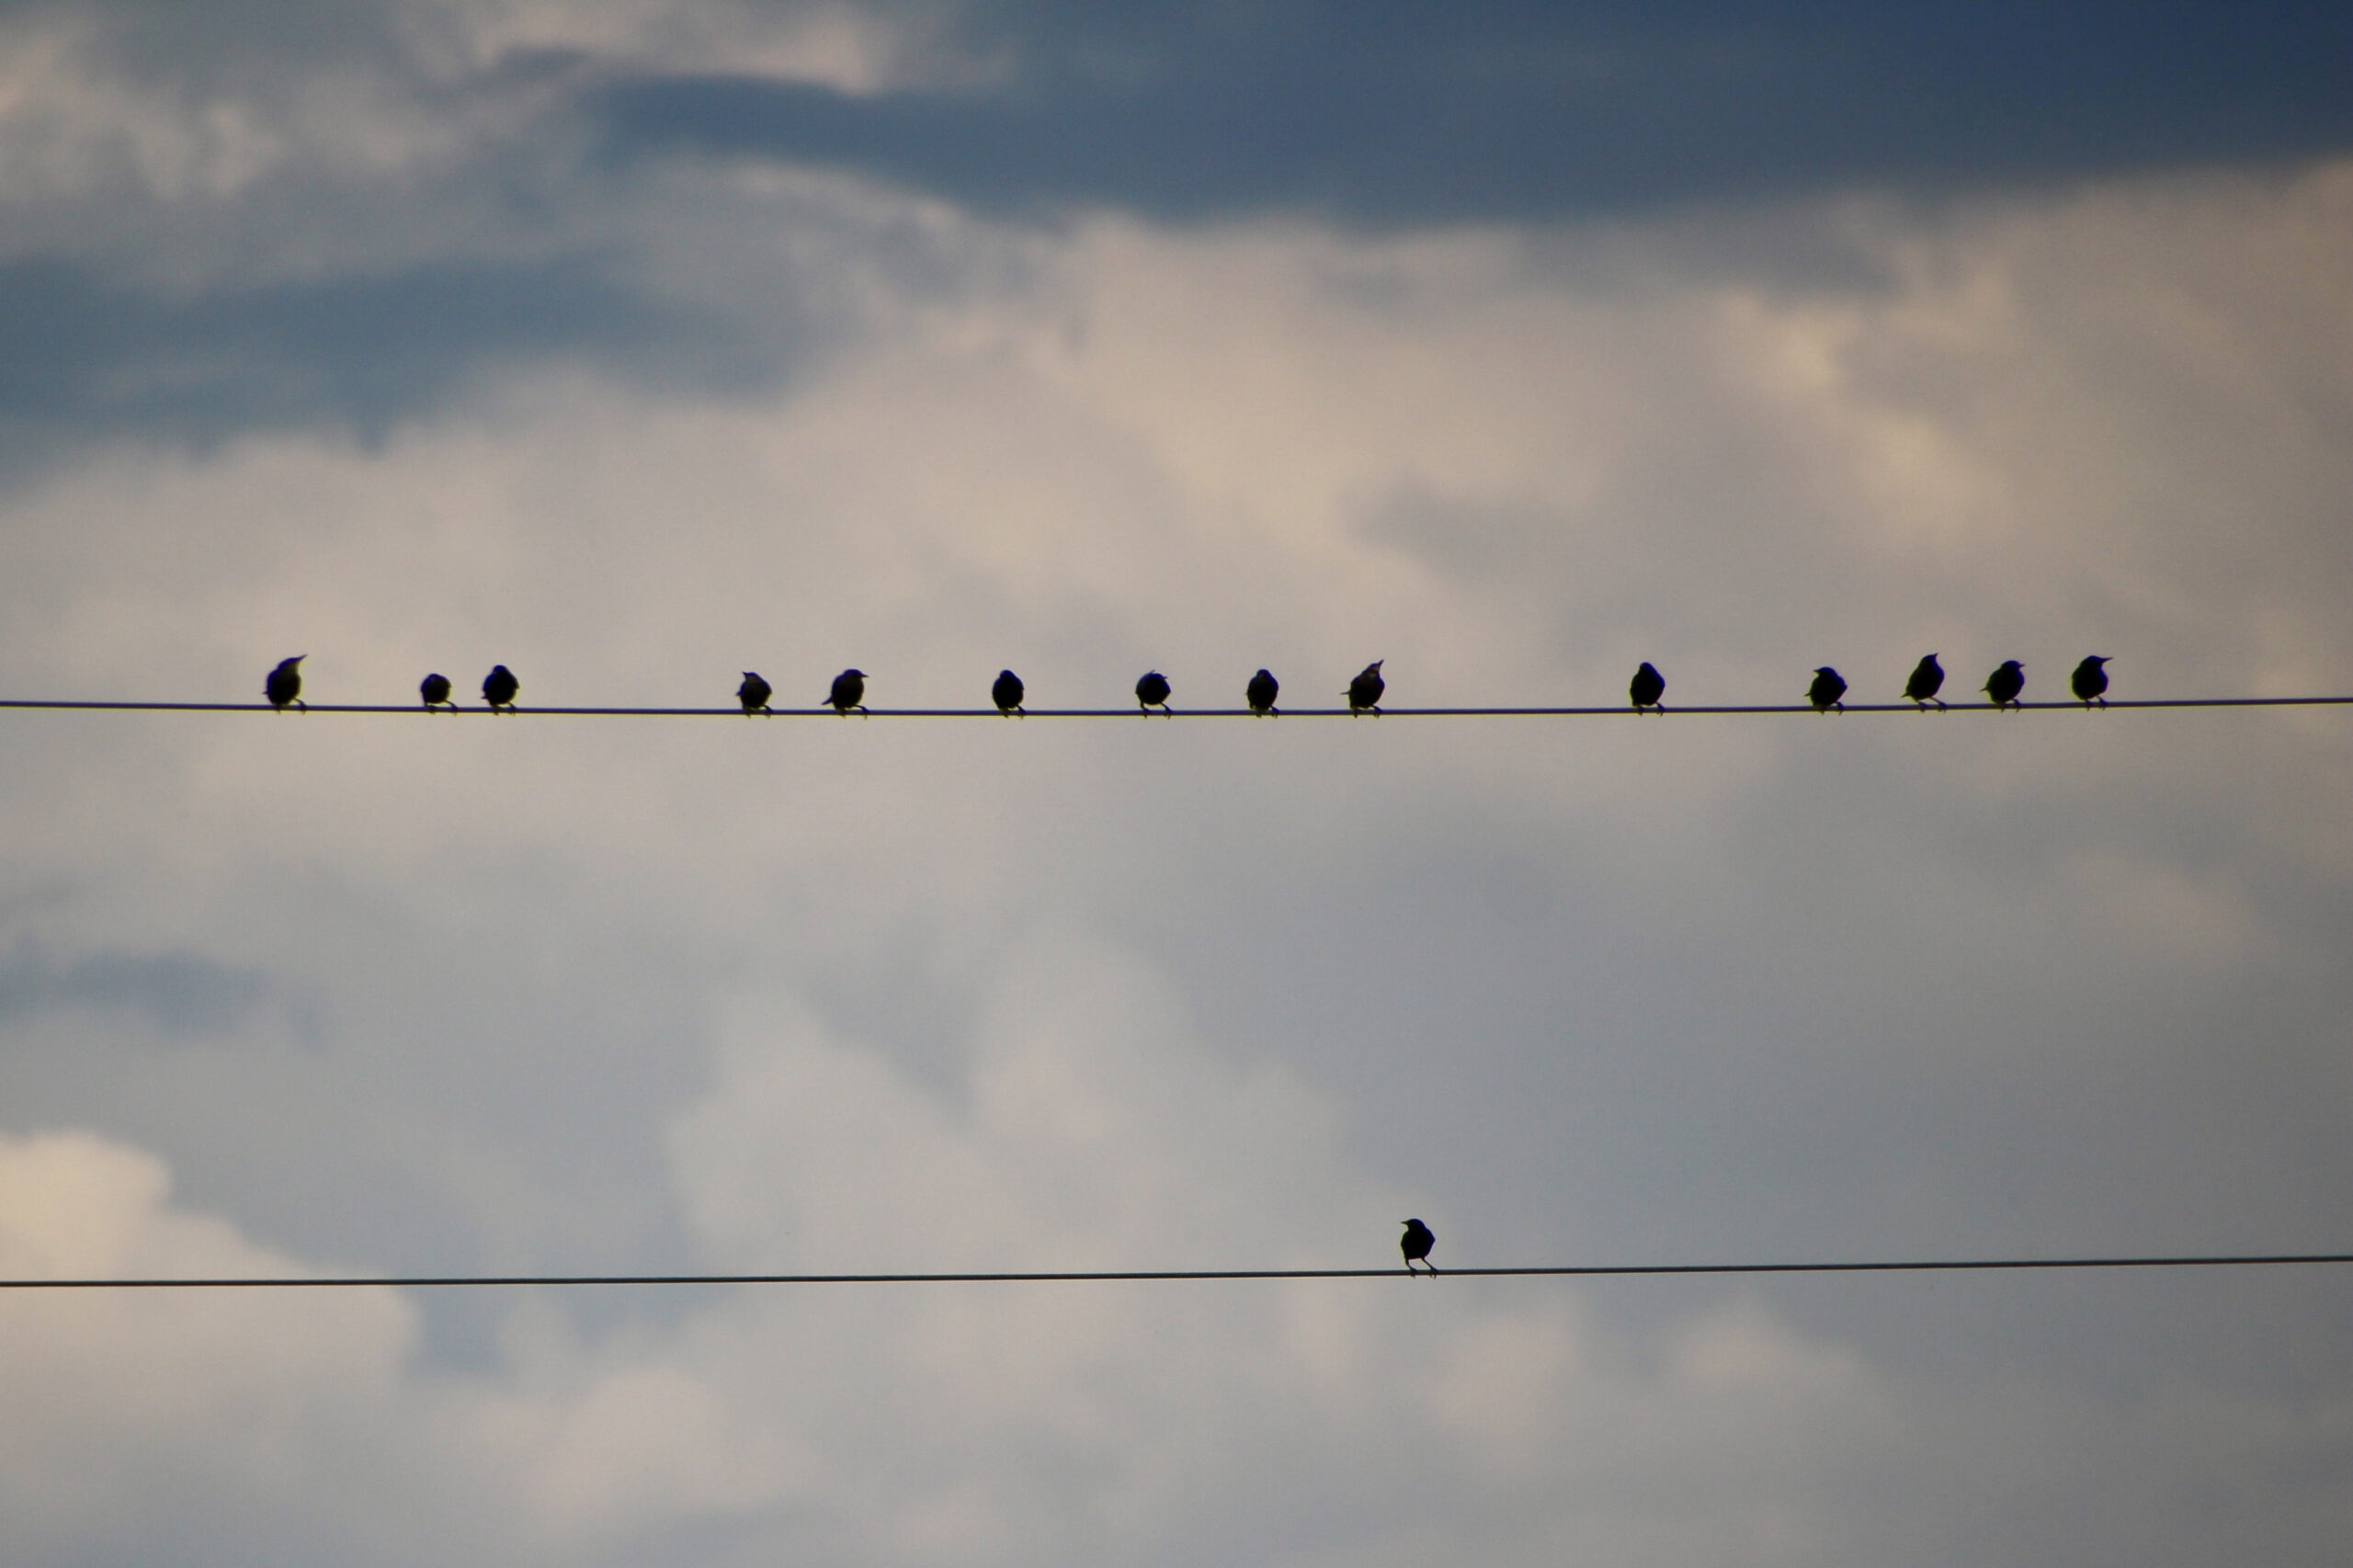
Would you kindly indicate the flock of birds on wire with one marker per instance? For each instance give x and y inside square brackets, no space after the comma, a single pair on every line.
[283,687]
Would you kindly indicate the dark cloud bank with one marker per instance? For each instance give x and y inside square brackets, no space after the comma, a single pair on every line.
[1408,113]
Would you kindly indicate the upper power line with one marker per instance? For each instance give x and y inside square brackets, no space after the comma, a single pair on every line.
[501,689]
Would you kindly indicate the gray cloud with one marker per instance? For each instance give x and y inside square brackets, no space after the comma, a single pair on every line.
[94,356]
[1407,114]
[181,994]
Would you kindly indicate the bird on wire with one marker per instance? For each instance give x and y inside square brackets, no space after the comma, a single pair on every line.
[849,692]
[1647,687]
[2004,683]
[1927,679]
[1152,692]
[2090,682]
[754,694]
[1826,691]
[283,685]
[1364,692]
[1006,694]
[1415,1245]
[1262,691]
[499,686]
[435,690]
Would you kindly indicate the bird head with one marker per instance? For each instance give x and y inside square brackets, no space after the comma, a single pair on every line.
[2097,659]
[1825,670]
[859,673]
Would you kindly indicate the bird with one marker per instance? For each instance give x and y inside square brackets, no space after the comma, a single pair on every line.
[1007,693]
[499,686]
[849,691]
[2090,681]
[1415,1245]
[435,690]
[1152,692]
[1261,692]
[1364,692]
[283,685]
[2004,683]
[1648,686]
[1826,691]
[754,693]
[1927,679]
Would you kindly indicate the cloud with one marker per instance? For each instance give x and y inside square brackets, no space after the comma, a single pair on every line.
[1400,116]
[183,994]
[593,994]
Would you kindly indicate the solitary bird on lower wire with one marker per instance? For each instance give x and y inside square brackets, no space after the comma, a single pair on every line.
[1152,692]
[849,692]
[1647,687]
[283,685]
[754,693]
[2090,682]
[1007,693]
[1826,691]
[2004,683]
[1364,692]
[1262,691]
[1927,679]
[435,690]
[499,686]
[1415,1245]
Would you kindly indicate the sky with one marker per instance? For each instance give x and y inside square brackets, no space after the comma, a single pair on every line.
[638,344]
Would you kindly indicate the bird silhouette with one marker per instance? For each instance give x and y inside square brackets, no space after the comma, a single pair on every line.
[435,690]
[1647,687]
[849,692]
[2090,682]
[1415,1245]
[1927,679]
[2004,683]
[499,686]
[283,685]
[1364,692]
[1262,691]
[1826,691]
[1007,693]
[1152,692]
[754,693]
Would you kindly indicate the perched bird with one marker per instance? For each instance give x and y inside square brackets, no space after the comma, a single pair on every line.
[1415,1245]
[1152,691]
[754,693]
[1261,692]
[1007,693]
[499,686]
[1927,679]
[1364,692]
[435,690]
[283,685]
[2090,681]
[1826,691]
[1648,686]
[849,691]
[2004,683]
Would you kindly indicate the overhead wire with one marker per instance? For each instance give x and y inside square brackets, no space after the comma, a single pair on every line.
[820,710]
[1061,1277]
